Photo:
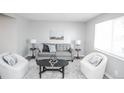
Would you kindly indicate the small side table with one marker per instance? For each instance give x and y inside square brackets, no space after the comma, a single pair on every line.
[78,50]
[33,52]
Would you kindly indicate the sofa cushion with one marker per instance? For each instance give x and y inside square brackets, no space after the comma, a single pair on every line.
[62,47]
[52,47]
[45,48]
[46,54]
[63,54]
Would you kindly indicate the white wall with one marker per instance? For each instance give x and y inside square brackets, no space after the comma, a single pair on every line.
[115,67]
[13,34]
[8,34]
[40,30]
[22,29]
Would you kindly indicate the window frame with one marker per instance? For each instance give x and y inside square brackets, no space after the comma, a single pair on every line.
[109,53]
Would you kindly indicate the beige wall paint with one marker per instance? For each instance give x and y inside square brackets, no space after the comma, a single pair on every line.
[115,67]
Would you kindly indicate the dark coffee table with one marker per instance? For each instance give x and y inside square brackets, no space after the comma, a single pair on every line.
[59,66]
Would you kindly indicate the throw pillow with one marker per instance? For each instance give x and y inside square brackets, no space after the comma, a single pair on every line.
[70,50]
[45,48]
[63,47]
[95,60]
[59,47]
[52,48]
[10,59]
[40,47]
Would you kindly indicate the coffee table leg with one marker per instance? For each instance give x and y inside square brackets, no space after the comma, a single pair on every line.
[62,72]
[40,71]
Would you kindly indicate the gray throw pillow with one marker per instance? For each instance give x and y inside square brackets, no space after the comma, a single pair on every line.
[40,47]
[95,60]
[10,59]
[52,48]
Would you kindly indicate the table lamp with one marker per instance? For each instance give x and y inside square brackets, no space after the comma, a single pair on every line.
[33,42]
[78,43]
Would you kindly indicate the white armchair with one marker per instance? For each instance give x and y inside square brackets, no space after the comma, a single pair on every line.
[90,71]
[17,71]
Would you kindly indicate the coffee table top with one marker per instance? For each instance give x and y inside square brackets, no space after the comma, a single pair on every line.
[45,62]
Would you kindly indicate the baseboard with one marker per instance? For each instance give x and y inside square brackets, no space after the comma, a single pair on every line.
[108,76]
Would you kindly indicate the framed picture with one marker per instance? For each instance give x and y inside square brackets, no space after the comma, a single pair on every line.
[56,35]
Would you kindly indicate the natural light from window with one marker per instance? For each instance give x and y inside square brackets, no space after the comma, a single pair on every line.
[109,36]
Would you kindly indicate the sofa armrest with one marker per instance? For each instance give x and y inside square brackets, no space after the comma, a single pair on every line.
[37,51]
[72,52]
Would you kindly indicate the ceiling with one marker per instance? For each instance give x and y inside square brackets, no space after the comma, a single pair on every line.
[82,17]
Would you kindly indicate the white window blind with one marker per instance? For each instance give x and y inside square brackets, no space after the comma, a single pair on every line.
[109,36]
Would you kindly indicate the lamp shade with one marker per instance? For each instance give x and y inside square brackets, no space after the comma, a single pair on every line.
[78,42]
[33,41]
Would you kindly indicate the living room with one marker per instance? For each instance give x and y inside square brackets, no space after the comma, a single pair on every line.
[53,46]
[21,29]
[25,30]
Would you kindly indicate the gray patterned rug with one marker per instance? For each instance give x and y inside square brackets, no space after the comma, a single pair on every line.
[72,71]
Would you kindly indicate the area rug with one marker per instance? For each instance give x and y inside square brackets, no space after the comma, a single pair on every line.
[72,71]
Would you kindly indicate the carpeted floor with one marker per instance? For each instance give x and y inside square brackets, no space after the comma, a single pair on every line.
[72,71]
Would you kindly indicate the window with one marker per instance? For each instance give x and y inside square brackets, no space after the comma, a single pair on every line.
[109,36]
